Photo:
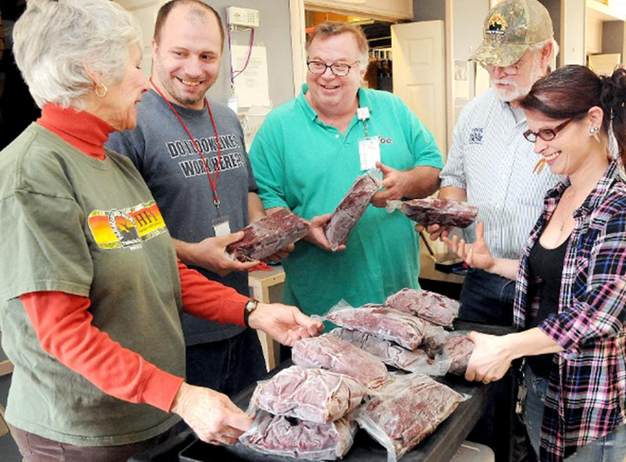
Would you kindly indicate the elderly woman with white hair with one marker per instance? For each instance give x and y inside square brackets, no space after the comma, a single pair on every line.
[91,291]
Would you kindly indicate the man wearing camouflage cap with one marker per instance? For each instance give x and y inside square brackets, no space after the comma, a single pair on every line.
[490,163]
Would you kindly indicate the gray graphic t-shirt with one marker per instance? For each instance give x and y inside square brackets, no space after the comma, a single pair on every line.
[165,156]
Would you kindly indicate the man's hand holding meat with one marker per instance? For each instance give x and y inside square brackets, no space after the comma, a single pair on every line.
[210,253]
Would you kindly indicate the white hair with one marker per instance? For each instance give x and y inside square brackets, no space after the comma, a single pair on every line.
[56,43]
[540,46]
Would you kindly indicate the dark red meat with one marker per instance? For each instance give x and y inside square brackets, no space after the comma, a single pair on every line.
[285,436]
[460,348]
[332,353]
[350,210]
[433,307]
[445,212]
[389,324]
[409,410]
[316,395]
[268,235]
[388,352]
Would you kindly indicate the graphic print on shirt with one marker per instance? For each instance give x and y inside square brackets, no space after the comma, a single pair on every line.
[127,228]
[192,165]
[476,135]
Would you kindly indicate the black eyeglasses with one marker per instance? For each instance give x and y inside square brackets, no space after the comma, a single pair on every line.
[339,69]
[547,134]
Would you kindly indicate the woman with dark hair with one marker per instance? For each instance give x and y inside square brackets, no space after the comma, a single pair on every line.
[571,277]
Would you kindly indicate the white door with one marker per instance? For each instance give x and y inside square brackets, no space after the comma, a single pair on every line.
[419,75]
[146,12]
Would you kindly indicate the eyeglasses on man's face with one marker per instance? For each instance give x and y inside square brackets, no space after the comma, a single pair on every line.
[513,69]
[546,134]
[339,69]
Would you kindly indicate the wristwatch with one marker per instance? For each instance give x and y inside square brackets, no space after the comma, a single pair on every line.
[248,310]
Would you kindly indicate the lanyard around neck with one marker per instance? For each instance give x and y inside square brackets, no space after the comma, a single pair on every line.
[212,182]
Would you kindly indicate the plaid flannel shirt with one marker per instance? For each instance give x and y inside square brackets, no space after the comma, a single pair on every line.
[586,396]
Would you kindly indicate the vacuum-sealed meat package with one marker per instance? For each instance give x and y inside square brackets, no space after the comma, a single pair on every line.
[433,307]
[286,436]
[401,328]
[350,209]
[394,355]
[268,235]
[406,411]
[459,348]
[316,395]
[332,353]
[444,212]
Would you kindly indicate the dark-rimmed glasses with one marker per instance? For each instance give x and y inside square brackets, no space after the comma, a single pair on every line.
[339,69]
[546,134]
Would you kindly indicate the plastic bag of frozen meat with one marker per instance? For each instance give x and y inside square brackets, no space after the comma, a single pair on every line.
[352,207]
[459,348]
[268,235]
[406,411]
[286,436]
[379,321]
[333,354]
[429,211]
[316,395]
[431,306]
[394,355]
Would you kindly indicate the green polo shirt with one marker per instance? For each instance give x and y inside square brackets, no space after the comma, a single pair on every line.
[302,163]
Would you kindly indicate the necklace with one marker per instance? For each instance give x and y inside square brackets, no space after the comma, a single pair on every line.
[564,203]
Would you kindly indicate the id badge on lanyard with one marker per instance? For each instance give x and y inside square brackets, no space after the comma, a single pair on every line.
[369,147]
[221,226]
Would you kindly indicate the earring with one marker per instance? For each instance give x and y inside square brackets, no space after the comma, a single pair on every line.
[101,93]
[594,132]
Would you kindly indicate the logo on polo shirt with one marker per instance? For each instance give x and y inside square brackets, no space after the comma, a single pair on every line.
[476,135]
[126,228]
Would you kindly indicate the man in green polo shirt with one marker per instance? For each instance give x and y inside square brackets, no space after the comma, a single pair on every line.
[308,153]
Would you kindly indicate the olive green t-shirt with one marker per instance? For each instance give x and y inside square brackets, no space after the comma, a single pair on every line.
[89,227]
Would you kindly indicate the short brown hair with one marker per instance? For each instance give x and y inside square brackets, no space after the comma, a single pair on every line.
[166,9]
[331,28]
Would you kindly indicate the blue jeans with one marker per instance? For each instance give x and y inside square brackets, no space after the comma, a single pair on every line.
[227,366]
[610,448]
[487,298]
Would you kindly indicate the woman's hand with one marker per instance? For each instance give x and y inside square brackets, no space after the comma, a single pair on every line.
[490,359]
[285,324]
[476,255]
[211,415]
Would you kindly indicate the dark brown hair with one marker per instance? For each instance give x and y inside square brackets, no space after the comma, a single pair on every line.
[332,28]
[167,8]
[570,91]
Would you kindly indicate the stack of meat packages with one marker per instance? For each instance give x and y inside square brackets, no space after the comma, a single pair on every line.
[311,410]
[305,414]
[307,410]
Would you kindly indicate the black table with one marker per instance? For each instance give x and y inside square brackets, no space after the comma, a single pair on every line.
[438,447]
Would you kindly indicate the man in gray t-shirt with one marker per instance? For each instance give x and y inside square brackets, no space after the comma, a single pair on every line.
[178,134]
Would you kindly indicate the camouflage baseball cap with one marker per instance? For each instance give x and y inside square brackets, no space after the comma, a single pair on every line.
[510,28]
